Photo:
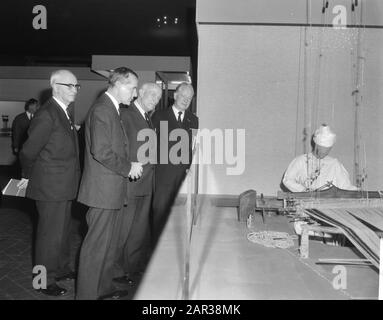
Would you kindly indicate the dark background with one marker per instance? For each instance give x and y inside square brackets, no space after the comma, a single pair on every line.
[76,29]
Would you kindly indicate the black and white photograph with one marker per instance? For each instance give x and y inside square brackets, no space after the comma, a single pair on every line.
[206,152]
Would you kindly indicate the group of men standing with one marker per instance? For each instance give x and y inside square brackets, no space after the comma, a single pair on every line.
[129,201]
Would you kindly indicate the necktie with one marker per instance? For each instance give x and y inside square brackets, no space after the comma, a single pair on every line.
[179,117]
[147,119]
[69,119]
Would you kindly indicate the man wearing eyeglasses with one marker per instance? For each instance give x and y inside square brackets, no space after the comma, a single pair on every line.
[51,174]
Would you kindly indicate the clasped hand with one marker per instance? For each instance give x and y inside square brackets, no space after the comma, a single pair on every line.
[135,171]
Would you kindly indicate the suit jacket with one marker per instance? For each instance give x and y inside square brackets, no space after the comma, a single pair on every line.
[168,173]
[50,156]
[20,127]
[106,165]
[133,122]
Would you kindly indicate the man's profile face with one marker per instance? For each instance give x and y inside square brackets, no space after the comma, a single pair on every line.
[321,152]
[64,93]
[150,98]
[127,91]
[183,97]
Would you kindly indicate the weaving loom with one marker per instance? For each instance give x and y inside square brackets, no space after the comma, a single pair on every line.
[356,214]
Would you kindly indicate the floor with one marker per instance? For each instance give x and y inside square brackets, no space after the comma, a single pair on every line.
[223,263]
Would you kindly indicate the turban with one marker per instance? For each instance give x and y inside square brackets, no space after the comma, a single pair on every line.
[324,136]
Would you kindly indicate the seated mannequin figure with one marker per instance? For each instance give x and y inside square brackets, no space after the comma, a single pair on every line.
[317,170]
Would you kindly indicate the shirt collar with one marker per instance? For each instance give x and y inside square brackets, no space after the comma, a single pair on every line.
[115,102]
[29,115]
[62,105]
[312,156]
[175,110]
[140,108]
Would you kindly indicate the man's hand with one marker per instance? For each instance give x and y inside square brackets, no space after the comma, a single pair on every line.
[135,171]
[23,183]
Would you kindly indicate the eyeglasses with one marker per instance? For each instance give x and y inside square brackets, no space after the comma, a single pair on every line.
[70,85]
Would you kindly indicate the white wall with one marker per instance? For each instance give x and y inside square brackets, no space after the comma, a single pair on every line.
[24,89]
[287,11]
[249,78]
[11,109]
[30,82]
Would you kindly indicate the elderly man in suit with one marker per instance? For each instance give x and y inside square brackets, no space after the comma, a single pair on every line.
[169,175]
[136,120]
[103,186]
[51,171]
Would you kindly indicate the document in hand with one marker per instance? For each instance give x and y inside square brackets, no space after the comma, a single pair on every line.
[11,189]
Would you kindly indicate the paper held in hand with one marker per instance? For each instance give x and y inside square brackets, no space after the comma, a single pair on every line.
[11,189]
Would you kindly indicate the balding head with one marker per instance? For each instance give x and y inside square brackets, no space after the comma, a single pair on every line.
[60,75]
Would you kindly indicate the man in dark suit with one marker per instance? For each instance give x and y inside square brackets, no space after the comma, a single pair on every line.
[170,175]
[136,120]
[103,187]
[51,171]
[20,125]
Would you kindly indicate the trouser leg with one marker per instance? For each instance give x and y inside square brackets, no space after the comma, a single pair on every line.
[98,253]
[52,237]
[137,246]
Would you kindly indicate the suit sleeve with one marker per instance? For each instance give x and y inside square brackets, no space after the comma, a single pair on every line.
[101,144]
[129,129]
[155,120]
[38,136]
[15,134]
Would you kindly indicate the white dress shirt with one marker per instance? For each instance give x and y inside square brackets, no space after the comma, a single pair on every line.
[308,173]
[142,111]
[175,110]
[63,106]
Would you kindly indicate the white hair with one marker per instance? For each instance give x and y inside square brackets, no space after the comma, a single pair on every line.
[55,75]
[151,86]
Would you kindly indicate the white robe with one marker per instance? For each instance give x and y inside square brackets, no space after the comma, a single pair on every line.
[308,173]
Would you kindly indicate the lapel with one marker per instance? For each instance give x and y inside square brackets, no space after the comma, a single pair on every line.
[173,119]
[109,103]
[26,117]
[62,116]
[142,122]
[187,121]
[67,124]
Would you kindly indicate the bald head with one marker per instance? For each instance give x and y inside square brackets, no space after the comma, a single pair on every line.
[63,84]
[148,96]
